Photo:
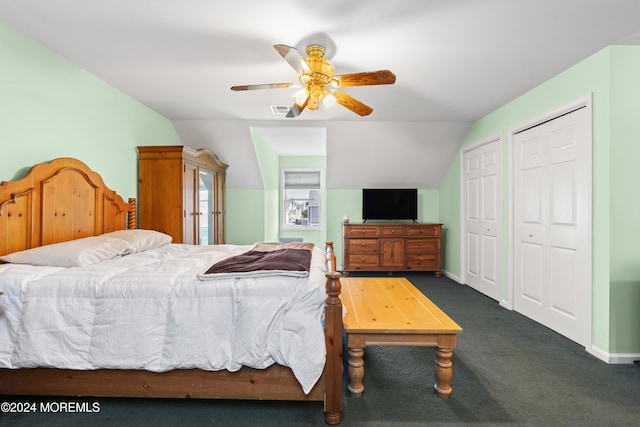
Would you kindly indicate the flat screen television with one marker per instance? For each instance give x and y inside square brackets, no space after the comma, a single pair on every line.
[389,204]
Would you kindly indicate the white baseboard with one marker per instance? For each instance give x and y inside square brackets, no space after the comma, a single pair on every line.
[600,354]
[623,358]
[452,276]
[505,304]
[614,358]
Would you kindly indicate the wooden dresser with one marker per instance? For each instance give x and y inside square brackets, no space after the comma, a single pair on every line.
[392,247]
[181,193]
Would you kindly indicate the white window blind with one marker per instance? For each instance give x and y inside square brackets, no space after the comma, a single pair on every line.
[301,180]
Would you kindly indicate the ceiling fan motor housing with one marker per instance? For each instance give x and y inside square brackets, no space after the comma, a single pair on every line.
[319,75]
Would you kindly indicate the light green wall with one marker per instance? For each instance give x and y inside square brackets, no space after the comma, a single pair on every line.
[339,204]
[244,219]
[624,153]
[268,162]
[349,202]
[612,77]
[52,108]
[624,259]
[450,218]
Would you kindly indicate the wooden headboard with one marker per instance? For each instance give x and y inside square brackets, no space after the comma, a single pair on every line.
[59,201]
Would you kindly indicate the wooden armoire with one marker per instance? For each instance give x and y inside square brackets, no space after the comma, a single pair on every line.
[181,192]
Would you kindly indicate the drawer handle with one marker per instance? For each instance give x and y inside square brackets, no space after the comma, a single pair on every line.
[363,259]
[363,244]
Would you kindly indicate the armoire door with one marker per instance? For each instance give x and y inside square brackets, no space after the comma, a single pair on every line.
[206,207]
[191,184]
[218,212]
[551,224]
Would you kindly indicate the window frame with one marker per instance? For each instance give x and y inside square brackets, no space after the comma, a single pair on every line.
[284,225]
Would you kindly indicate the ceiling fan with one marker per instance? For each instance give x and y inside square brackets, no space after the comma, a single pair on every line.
[316,75]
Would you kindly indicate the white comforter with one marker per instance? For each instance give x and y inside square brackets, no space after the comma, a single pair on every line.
[149,311]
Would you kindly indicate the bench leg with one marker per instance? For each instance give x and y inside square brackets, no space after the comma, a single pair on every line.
[443,372]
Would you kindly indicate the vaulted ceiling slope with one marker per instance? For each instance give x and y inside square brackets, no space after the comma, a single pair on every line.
[375,154]
[455,60]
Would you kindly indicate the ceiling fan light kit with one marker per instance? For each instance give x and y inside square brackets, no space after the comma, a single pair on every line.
[318,80]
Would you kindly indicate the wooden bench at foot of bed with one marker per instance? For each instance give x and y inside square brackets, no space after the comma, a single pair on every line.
[392,312]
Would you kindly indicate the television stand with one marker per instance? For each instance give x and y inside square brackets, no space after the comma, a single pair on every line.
[392,247]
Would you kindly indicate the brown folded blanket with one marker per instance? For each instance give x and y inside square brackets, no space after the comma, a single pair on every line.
[274,246]
[265,259]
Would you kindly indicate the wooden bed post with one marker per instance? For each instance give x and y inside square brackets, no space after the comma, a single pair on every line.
[132,215]
[333,337]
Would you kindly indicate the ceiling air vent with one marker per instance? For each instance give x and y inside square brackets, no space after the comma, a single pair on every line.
[280,109]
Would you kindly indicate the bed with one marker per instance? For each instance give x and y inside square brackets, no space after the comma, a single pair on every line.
[65,202]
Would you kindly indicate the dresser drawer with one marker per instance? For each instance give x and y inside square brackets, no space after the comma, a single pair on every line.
[363,245]
[361,231]
[424,230]
[422,245]
[363,260]
[392,231]
[422,261]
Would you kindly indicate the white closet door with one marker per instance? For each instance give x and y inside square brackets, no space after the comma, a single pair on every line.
[483,218]
[551,220]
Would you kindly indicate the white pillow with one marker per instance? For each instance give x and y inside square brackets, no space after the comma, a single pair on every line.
[74,253]
[141,240]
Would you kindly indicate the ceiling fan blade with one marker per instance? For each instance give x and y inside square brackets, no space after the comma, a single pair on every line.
[351,103]
[382,77]
[296,108]
[265,86]
[293,57]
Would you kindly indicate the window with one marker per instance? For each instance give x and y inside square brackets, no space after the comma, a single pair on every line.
[301,199]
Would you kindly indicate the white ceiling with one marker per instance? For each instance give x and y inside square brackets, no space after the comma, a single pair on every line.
[455,60]
[285,141]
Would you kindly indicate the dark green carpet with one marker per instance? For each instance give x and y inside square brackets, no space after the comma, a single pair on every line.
[507,370]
